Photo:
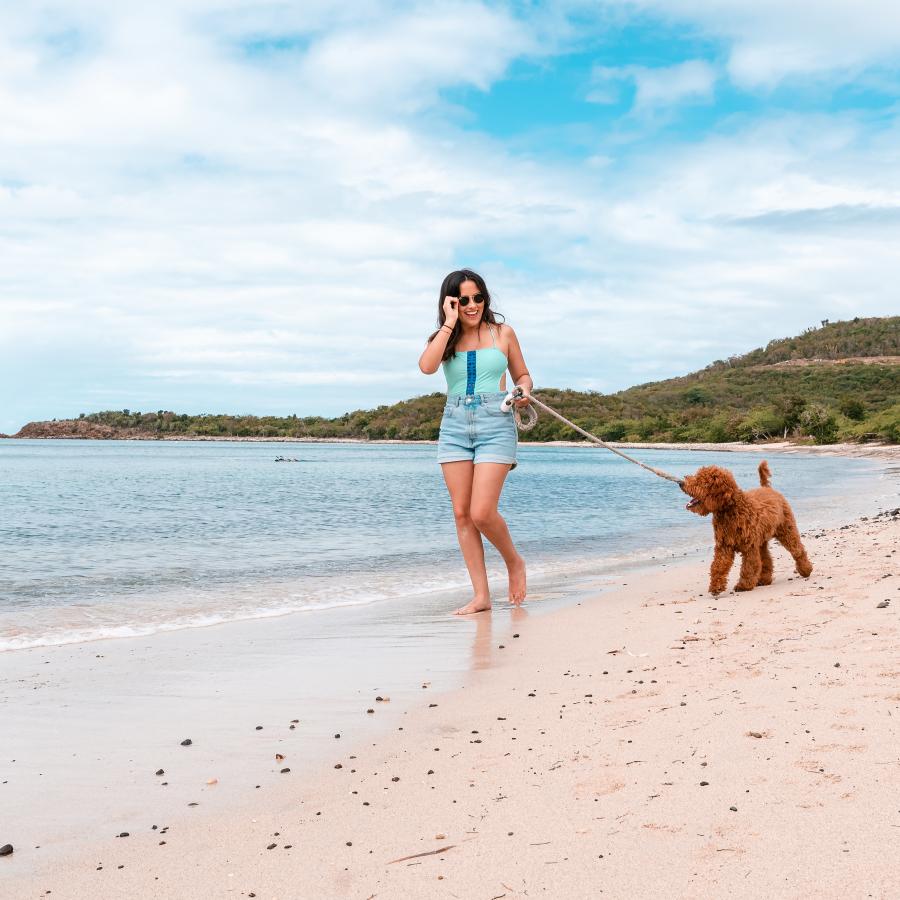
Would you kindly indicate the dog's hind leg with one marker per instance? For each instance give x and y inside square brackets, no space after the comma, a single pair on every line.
[789,537]
[765,575]
[751,565]
[718,573]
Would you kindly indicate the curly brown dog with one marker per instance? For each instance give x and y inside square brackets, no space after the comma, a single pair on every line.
[744,522]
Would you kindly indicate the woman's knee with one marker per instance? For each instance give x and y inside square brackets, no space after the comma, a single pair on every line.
[483,518]
[463,517]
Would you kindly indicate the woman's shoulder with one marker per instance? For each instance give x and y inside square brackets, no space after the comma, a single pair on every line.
[505,333]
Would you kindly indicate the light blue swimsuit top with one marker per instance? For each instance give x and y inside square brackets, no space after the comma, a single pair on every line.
[476,371]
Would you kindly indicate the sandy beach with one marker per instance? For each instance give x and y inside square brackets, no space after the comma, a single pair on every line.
[651,742]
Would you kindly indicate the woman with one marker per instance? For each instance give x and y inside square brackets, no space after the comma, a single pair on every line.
[477,445]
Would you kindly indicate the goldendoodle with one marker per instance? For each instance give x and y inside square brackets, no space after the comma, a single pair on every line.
[744,522]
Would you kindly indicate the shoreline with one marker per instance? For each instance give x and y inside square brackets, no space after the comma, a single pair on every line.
[636,719]
[875,449]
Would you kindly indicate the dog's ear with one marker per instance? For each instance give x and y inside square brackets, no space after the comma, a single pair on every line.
[723,489]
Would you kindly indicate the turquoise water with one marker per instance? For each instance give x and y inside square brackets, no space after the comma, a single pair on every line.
[104,539]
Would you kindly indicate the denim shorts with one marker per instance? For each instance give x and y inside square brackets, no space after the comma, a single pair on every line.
[475,428]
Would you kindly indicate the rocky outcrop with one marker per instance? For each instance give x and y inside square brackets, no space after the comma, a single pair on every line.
[80,429]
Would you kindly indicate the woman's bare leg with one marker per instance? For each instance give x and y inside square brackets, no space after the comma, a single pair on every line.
[487,483]
[459,478]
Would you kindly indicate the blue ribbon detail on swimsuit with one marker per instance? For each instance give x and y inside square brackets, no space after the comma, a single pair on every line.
[470,372]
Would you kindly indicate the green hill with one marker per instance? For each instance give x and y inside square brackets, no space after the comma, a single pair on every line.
[840,381]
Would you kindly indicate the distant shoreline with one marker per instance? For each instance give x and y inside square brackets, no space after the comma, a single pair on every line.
[871,450]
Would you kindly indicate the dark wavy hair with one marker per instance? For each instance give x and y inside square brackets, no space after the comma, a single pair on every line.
[450,288]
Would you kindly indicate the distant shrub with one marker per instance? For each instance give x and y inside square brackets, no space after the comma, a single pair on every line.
[761,424]
[820,424]
[853,409]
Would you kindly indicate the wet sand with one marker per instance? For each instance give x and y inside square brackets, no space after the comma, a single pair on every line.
[651,742]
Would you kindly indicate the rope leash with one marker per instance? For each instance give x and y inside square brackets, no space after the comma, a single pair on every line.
[531,418]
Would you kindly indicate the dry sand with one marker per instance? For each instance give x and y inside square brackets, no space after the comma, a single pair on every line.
[653,743]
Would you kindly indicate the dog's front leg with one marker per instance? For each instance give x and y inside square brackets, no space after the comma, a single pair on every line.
[721,566]
[751,565]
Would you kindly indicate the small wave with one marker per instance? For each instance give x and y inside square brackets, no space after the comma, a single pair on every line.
[154,618]
[107,632]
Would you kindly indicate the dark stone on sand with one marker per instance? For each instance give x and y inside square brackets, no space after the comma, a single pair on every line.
[6,850]
[370,711]
[733,808]
[271,846]
[515,635]
[123,834]
[704,783]
[379,699]
[285,770]
[259,727]
[193,804]
[501,646]
[883,605]
[186,742]
[349,843]
[430,772]
[837,665]
[338,766]
[432,705]
[160,772]
[396,778]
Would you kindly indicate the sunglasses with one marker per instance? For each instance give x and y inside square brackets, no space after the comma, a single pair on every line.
[478,299]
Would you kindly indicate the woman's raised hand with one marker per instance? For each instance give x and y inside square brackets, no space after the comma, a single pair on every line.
[451,310]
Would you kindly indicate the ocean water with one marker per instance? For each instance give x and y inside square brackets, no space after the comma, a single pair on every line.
[107,539]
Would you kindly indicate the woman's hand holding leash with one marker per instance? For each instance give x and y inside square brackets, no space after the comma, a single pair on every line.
[517,397]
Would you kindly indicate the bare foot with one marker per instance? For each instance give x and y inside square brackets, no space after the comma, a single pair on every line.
[517,581]
[475,605]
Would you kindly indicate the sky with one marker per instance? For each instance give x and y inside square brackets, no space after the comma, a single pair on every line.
[214,206]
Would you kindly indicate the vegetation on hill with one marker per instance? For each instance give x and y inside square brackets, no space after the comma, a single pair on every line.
[837,382]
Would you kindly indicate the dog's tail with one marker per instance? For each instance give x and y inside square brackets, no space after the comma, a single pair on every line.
[764,474]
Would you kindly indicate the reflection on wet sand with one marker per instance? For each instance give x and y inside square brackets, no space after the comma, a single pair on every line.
[482,641]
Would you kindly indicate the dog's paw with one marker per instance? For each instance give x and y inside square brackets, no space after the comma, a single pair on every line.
[740,586]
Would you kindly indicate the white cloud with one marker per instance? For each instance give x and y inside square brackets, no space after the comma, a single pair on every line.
[654,88]
[770,40]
